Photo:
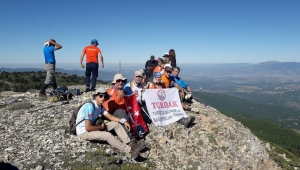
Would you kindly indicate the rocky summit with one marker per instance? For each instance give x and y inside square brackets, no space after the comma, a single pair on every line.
[34,135]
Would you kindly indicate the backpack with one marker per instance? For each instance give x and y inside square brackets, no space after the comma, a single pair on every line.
[75,92]
[60,94]
[72,121]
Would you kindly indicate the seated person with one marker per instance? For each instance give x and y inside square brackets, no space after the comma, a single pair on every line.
[87,130]
[116,103]
[158,84]
[169,82]
[181,83]
[167,58]
[136,86]
[160,66]
[150,65]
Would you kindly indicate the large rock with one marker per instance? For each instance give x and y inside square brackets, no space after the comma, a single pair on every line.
[37,139]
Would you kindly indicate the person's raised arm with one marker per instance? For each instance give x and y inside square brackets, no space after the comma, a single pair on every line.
[57,46]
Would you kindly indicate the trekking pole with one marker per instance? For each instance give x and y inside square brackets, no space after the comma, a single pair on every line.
[119,66]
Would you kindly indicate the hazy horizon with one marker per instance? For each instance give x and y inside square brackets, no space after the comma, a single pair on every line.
[110,66]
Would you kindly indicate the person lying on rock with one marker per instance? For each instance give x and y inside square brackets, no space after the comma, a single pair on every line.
[158,83]
[92,129]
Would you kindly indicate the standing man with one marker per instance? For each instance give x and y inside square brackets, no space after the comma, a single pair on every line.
[49,48]
[92,64]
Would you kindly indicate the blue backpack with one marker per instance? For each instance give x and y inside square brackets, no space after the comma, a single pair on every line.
[62,93]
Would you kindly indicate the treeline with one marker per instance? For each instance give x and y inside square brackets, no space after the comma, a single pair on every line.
[24,81]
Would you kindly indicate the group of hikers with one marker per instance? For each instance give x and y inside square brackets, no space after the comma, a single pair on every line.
[109,104]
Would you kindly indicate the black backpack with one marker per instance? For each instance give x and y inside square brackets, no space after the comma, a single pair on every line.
[72,121]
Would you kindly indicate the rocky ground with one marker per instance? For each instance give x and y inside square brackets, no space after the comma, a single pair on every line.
[34,135]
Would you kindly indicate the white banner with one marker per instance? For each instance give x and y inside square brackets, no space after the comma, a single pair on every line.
[164,106]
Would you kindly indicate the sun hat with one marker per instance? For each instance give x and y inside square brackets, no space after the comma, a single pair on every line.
[94,41]
[118,76]
[101,90]
[166,56]
[168,68]
[168,65]
[138,73]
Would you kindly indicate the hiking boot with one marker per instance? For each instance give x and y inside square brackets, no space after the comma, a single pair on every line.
[43,89]
[135,153]
[87,89]
[54,85]
[186,121]
[192,119]
[137,145]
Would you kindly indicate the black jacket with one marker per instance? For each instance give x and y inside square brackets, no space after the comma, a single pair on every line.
[150,63]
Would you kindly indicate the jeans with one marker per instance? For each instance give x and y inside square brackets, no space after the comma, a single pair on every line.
[91,69]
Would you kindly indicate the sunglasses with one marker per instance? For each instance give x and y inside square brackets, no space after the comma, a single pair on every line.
[169,72]
[101,95]
[139,76]
[118,81]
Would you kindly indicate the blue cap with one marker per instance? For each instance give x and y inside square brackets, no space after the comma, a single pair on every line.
[157,74]
[94,41]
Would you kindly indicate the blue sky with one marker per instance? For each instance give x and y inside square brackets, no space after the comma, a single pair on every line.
[130,31]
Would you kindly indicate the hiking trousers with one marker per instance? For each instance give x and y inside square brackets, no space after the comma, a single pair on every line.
[120,113]
[50,71]
[91,69]
[109,138]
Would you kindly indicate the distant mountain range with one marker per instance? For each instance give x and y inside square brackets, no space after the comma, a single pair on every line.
[191,71]
[271,67]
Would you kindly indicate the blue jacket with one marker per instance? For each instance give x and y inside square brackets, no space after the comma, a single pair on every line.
[179,81]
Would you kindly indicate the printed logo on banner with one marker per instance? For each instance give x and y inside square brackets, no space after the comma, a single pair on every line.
[161,94]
